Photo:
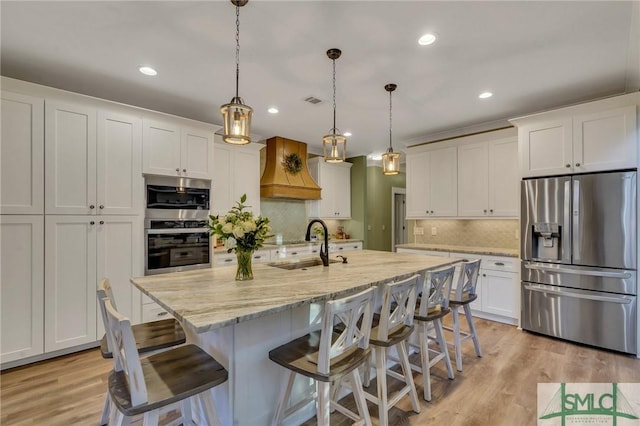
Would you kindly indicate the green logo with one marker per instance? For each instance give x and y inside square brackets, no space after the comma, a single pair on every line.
[582,406]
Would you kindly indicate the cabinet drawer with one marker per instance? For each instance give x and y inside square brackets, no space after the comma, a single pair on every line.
[224,259]
[153,312]
[289,252]
[340,247]
[507,264]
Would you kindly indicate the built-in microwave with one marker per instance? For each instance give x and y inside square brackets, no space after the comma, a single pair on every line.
[177,198]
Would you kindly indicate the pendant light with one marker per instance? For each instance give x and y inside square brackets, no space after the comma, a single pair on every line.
[236,116]
[390,159]
[334,145]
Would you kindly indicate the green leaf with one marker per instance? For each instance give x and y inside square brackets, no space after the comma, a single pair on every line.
[243,198]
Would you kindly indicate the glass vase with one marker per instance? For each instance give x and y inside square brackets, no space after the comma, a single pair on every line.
[244,271]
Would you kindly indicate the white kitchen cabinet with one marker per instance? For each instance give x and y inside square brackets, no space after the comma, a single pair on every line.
[79,252]
[500,293]
[226,259]
[92,161]
[21,286]
[340,247]
[335,181]
[597,136]
[173,148]
[236,172]
[488,179]
[432,181]
[21,154]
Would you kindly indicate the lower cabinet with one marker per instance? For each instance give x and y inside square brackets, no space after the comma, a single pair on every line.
[335,247]
[79,252]
[225,259]
[21,287]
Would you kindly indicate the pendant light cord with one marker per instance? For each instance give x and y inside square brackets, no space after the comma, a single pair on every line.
[237,48]
[390,109]
[334,97]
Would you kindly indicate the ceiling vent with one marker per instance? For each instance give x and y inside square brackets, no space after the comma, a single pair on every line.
[313,100]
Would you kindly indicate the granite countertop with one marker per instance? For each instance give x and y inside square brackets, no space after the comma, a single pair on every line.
[488,251]
[211,298]
[221,249]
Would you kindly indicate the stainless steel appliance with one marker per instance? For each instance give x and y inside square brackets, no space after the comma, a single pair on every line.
[176,245]
[179,198]
[579,242]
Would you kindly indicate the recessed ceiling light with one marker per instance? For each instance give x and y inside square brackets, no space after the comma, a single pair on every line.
[485,95]
[427,39]
[272,110]
[376,156]
[148,71]
[347,134]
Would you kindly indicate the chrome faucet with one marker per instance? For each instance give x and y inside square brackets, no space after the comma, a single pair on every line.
[324,249]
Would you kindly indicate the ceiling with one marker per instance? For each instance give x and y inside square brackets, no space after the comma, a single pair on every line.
[532,55]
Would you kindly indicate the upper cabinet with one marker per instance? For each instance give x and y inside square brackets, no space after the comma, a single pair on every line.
[92,160]
[236,172]
[432,182]
[595,136]
[335,181]
[173,148]
[22,154]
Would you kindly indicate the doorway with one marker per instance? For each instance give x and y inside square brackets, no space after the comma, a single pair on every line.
[398,217]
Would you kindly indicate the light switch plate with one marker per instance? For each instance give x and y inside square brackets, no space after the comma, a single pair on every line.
[434,230]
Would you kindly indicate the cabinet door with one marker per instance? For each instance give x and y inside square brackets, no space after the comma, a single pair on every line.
[21,287]
[418,185]
[197,153]
[443,182]
[70,157]
[119,174]
[70,281]
[119,257]
[546,148]
[246,180]
[500,293]
[605,140]
[504,178]
[21,154]
[342,191]
[222,186]
[473,179]
[160,148]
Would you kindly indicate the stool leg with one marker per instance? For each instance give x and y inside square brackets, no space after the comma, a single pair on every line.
[324,402]
[424,356]
[443,346]
[408,377]
[104,419]
[150,418]
[456,337]
[381,370]
[208,408]
[472,328]
[187,418]
[358,394]
[285,394]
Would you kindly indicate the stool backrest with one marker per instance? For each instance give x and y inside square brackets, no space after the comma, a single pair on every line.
[436,291]
[468,280]
[356,313]
[105,292]
[398,306]
[125,353]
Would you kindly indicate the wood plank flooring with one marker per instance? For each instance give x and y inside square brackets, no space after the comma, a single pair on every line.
[497,389]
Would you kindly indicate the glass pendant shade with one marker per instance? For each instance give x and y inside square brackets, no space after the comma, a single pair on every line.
[237,122]
[391,162]
[334,148]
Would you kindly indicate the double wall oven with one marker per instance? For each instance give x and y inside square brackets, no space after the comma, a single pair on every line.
[176,234]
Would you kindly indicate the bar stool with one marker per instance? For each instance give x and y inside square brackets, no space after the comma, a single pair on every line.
[146,385]
[463,295]
[434,305]
[391,328]
[149,337]
[329,356]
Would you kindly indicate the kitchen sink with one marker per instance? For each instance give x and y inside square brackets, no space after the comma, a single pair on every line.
[300,263]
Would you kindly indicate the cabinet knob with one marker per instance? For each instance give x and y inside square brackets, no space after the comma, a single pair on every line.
[431,211]
[92,207]
[184,170]
[101,206]
[92,223]
[577,164]
[178,169]
[485,210]
[491,211]
[567,165]
[484,275]
[102,222]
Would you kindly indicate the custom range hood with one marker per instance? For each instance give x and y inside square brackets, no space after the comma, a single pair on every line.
[285,173]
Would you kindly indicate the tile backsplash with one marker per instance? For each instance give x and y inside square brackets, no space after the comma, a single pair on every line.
[289,218]
[468,232]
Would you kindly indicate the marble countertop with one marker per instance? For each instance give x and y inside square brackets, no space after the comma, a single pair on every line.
[211,298]
[488,251]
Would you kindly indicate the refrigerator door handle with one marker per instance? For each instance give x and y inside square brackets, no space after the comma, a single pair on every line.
[606,274]
[575,207]
[624,300]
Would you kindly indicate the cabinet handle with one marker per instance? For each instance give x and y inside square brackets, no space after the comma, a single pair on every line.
[92,223]
[92,207]
[178,170]
[228,260]
[431,211]
[484,275]
[102,222]
[577,164]
[491,211]
[184,170]
[162,314]
[257,257]
[485,210]
[101,206]
[499,263]
[293,253]
[567,165]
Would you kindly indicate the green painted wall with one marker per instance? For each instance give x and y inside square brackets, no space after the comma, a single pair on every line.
[378,207]
[357,225]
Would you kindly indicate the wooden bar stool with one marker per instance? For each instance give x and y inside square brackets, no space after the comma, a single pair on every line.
[391,328]
[149,337]
[434,305]
[463,295]
[329,356]
[144,386]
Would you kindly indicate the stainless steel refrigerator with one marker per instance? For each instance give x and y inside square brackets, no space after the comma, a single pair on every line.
[579,258]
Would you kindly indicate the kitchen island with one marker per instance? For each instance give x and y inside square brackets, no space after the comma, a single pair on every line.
[238,322]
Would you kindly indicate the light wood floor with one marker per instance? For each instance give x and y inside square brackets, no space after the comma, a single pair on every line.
[497,389]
